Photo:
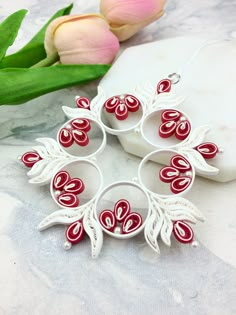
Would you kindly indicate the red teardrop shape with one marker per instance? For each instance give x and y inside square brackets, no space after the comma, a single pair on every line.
[132,222]
[121,112]
[132,103]
[80,137]
[164,86]
[60,180]
[74,186]
[181,163]
[121,209]
[208,150]
[170,115]
[167,129]
[65,138]
[107,220]
[168,173]
[75,232]
[81,124]
[68,200]
[83,102]
[183,129]
[111,103]
[180,184]
[182,232]
[30,158]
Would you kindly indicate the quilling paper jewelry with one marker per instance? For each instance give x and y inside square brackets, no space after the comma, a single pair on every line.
[153,201]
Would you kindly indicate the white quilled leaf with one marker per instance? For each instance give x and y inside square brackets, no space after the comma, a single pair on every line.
[52,146]
[42,151]
[77,112]
[166,230]
[62,216]
[153,101]
[196,137]
[199,162]
[37,168]
[94,231]
[146,94]
[167,100]
[53,157]
[98,100]
[152,229]
[48,172]
[174,204]
[181,215]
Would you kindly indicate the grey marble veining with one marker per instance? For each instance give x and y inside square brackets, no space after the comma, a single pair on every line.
[37,276]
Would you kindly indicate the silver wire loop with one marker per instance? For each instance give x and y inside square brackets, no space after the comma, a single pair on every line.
[174,78]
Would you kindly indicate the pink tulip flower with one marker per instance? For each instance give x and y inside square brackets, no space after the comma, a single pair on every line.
[81,39]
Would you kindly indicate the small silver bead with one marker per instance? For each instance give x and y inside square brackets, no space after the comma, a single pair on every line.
[117,230]
[137,130]
[67,245]
[19,157]
[182,118]
[221,150]
[57,193]
[195,244]
[68,126]
[189,173]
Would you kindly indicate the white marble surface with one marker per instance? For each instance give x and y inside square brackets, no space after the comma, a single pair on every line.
[37,276]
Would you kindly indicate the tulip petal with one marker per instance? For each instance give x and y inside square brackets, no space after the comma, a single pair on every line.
[129,11]
[55,24]
[81,39]
[127,17]
[125,31]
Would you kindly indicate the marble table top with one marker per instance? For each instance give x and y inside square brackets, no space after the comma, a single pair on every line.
[37,276]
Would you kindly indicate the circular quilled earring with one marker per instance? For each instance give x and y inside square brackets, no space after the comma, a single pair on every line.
[153,202]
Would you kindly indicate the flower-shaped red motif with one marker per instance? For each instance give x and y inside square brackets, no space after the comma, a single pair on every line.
[121,220]
[174,123]
[177,174]
[121,105]
[67,188]
[76,132]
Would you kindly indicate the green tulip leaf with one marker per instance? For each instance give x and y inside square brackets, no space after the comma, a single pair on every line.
[9,29]
[19,85]
[34,50]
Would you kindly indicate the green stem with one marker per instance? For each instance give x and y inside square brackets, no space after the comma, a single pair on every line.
[48,61]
